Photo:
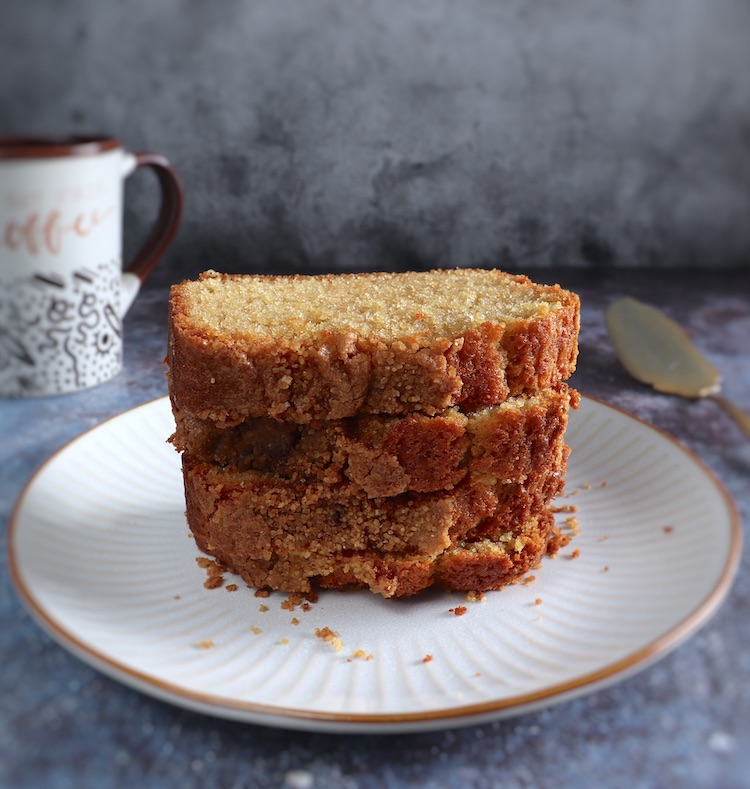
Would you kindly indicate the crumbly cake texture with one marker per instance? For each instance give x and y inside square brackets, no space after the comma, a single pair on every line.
[386,431]
[305,348]
[387,456]
[251,515]
[468,565]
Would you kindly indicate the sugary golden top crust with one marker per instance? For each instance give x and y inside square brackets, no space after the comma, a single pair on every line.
[330,347]
[440,303]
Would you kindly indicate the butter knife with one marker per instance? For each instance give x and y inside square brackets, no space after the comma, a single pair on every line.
[656,350]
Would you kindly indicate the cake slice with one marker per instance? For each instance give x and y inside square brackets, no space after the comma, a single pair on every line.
[470,565]
[387,455]
[252,515]
[305,348]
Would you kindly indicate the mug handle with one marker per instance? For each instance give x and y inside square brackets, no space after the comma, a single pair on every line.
[167,223]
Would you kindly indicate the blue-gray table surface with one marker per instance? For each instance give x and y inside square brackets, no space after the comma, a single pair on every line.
[685,721]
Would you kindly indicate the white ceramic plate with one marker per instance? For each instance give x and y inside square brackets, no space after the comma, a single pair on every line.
[100,553]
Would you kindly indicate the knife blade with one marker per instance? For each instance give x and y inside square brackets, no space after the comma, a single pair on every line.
[656,350]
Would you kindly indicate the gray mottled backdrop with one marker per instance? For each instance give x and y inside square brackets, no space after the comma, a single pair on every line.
[352,134]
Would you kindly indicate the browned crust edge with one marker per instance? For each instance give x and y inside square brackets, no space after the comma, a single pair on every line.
[342,374]
[241,518]
[387,456]
[471,567]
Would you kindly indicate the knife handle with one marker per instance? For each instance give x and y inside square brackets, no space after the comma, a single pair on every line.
[742,418]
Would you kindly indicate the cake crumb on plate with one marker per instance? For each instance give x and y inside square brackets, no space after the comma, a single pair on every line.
[331,636]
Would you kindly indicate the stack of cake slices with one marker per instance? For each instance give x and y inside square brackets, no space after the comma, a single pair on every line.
[391,431]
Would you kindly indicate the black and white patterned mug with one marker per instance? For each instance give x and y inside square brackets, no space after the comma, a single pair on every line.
[63,290]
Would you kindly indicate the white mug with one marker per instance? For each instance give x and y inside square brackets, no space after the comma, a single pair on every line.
[63,291]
